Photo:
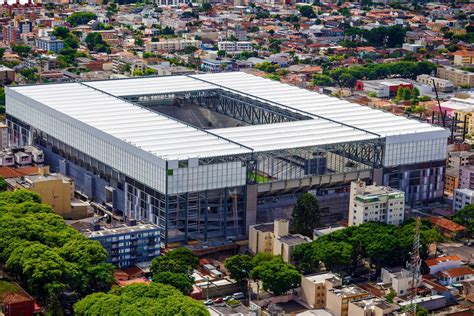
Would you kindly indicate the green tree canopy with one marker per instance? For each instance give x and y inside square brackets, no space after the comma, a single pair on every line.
[465,217]
[180,281]
[80,18]
[277,276]
[3,184]
[45,254]
[306,214]
[307,11]
[239,267]
[380,244]
[140,299]
[179,260]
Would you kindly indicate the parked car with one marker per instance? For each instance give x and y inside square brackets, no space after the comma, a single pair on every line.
[228,297]
[218,300]
[209,302]
[238,296]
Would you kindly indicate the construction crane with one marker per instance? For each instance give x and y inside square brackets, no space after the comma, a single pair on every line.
[414,267]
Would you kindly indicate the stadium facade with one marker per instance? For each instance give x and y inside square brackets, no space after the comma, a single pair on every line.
[203,183]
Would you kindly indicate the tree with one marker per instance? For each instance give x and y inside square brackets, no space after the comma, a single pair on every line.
[61,32]
[307,11]
[262,257]
[94,42]
[221,53]
[190,50]
[152,299]
[407,94]
[421,311]
[322,80]
[206,7]
[277,276]
[465,217]
[180,260]
[180,281]
[3,184]
[306,214]
[139,41]
[79,18]
[45,254]
[239,267]
[21,50]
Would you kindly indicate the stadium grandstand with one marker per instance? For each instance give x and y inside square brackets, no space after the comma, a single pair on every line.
[205,156]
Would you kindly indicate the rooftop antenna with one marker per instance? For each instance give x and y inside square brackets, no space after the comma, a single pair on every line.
[414,267]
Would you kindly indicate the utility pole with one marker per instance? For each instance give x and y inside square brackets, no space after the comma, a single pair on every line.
[414,267]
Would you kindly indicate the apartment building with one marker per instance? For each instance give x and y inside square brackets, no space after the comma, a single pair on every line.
[56,190]
[275,238]
[442,85]
[3,136]
[375,203]
[451,181]
[463,58]
[234,47]
[466,177]
[400,280]
[338,298]
[314,287]
[129,244]
[458,159]
[124,64]
[49,44]
[462,198]
[170,3]
[458,77]
[171,45]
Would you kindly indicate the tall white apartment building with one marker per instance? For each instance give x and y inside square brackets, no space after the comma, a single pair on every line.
[375,203]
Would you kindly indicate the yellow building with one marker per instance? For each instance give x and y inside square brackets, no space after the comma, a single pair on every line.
[55,190]
[338,298]
[458,77]
[314,287]
[275,238]
[463,58]
[451,181]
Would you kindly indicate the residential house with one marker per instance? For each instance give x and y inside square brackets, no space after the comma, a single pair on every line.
[455,275]
[447,227]
[436,265]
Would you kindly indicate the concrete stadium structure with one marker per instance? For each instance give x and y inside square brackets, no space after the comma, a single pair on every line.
[199,183]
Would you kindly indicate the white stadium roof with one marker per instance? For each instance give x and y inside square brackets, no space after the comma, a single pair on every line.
[99,105]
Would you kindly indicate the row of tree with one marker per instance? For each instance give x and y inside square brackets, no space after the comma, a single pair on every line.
[275,275]
[47,256]
[383,36]
[378,243]
[347,77]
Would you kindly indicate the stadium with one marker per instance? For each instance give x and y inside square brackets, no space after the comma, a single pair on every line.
[205,156]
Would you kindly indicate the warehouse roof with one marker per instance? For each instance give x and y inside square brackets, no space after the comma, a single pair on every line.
[99,104]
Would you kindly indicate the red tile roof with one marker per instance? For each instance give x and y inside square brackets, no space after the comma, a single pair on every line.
[435,261]
[457,272]
[8,172]
[447,224]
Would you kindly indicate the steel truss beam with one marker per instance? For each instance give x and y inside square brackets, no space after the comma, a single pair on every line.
[236,106]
